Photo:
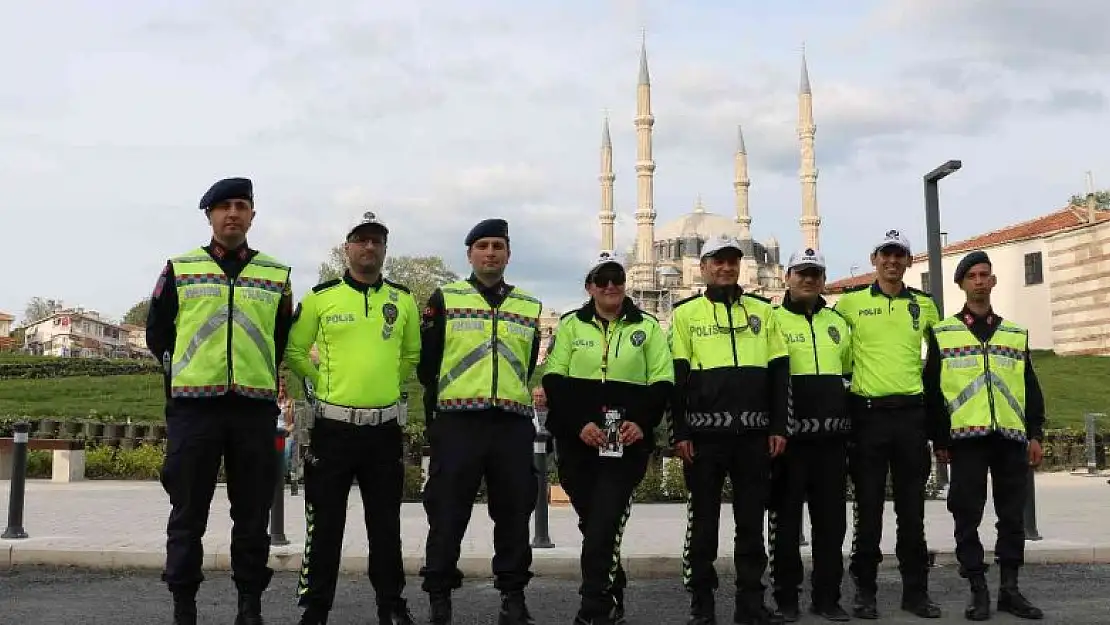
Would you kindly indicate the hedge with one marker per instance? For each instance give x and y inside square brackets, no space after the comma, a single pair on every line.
[43,367]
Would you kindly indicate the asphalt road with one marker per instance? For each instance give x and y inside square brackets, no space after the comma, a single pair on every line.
[43,596]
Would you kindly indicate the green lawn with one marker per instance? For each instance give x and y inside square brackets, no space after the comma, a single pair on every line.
[1072,387]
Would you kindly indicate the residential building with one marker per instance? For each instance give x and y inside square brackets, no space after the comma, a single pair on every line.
[6,322]
[135,339]
[75,332]
[7,343]
[1053,278]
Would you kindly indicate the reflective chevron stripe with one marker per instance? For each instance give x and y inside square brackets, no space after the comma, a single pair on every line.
[309,538]
[726,420]
[616,564]
[687,570]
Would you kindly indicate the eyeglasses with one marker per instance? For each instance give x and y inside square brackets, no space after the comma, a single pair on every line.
[363,239]
[603,279]
[732,329]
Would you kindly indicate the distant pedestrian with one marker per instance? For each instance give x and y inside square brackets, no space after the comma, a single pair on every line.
[219,321]
[606,382]
[988,414]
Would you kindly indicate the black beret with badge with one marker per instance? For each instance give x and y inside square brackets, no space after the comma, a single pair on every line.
[227,189]
[498,228]
[969,261]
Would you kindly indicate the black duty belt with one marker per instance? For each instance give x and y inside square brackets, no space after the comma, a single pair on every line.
[887,402]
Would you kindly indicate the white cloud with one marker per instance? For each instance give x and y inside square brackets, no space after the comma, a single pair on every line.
[437,116]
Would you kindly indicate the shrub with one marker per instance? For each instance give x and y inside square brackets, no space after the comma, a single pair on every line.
[53,367]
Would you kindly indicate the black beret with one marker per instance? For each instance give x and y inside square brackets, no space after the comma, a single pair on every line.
[969,261]
[488,228]
[227,189]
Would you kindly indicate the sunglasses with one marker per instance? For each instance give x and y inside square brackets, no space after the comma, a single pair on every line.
[603,279]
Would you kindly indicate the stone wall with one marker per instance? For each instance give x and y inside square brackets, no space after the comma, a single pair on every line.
[1078,263]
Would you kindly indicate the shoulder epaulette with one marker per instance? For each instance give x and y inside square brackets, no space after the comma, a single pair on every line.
[326,285]
[397,285]
[758,297]
[650,316]
[568,313]
[917,291]
[858,287]
[685,301]
[833,310]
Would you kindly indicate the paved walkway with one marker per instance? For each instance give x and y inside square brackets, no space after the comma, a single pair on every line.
[122,525]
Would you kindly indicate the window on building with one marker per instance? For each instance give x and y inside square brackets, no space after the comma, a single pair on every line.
[1034,269]
[925,286]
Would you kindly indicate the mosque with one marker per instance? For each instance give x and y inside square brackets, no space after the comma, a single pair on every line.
[663,264]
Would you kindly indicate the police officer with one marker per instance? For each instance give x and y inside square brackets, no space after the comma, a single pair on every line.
[367,332]
[729,417]
[889,321]
[219,321]
[989,413]
[480,342]
[606,381]
[814,467]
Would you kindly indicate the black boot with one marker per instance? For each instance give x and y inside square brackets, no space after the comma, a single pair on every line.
[439,608]
[185,608]
[395,612]
[750,610]
[918,603]
[1011,600]
[514,610]
[703,609]
[250,609]
[314,615]
[979,607]
[864,605]
[786,605]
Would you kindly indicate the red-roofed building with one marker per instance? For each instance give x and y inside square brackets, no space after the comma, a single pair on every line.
[1053,277]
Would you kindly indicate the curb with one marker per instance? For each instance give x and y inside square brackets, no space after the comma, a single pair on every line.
[554,563]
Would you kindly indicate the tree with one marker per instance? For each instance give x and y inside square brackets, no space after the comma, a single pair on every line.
[334,266]
[421,274]
[39,308]
[137,315]
[1102,199]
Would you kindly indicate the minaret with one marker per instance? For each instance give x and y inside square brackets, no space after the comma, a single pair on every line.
[645,172]
[741,184]
[607,215]
[810,221]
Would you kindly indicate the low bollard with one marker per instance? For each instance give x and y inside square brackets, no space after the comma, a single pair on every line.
[1092,456]
[19,483]
[1030,513]
[542,539]
[277,510]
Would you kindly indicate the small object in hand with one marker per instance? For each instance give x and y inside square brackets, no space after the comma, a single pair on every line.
[613,447]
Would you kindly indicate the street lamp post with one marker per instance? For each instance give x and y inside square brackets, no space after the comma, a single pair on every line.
[932,228]
[936,281]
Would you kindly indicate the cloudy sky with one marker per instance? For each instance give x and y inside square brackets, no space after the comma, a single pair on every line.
[115,116]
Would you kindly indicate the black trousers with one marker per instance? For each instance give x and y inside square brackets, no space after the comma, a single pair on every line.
[600,491]
[744,458]
[894,440]
[196,442]
[813,470]
[466,447]
[1008,464]
[341,452]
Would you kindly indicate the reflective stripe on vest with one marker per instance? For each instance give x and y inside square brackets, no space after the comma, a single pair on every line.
[983,383]
[225,330]
[485,357]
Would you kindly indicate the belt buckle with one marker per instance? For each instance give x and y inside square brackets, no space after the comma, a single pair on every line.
[375,416]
